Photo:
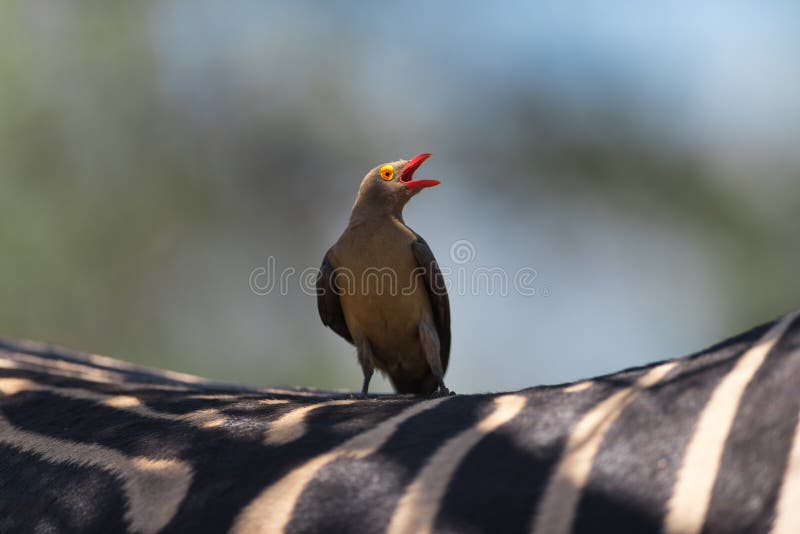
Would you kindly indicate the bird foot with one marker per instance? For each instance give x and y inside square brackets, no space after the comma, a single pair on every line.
[442,391]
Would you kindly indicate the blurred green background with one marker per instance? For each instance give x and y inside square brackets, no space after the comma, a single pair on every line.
[643,159]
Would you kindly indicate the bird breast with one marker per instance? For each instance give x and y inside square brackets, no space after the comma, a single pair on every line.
[383,295]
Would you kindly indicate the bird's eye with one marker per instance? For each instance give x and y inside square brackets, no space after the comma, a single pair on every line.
[387,172]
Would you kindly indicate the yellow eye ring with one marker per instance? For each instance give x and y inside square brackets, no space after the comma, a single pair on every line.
[387,172]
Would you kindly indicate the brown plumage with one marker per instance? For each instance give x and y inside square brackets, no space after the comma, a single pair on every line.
[381,289]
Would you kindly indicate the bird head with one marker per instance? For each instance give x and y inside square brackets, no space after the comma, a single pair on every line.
[390,185]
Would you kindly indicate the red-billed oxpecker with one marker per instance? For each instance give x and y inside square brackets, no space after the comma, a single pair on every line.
[381,289]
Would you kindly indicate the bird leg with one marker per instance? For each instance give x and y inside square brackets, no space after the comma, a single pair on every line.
[364,350]
[430,344]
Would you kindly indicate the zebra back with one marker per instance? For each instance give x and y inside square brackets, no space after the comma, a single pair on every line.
[708,442]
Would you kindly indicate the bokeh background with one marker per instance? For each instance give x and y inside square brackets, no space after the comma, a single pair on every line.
[643,158]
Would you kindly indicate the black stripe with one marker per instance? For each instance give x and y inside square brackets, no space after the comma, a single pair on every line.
[39,496]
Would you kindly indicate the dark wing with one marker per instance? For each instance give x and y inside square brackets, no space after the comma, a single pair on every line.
[330,309]
[437,294]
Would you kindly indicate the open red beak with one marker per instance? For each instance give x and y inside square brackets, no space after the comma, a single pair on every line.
[407,176]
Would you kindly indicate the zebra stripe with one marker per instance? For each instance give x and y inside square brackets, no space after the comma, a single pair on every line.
[293,425]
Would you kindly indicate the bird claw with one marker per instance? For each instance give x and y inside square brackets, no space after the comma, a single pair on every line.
[443,392]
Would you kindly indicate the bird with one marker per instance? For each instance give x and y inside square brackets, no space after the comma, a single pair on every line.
[402,330]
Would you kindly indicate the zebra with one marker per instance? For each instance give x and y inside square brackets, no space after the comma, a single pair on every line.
[705,443]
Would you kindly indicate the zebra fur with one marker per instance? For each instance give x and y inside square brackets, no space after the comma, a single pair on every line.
[705,443]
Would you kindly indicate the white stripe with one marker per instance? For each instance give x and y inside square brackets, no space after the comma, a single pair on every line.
[787,514]
[687,509]
[417,509]
[556,512]
[292,425]
[577,387]
[272,510]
